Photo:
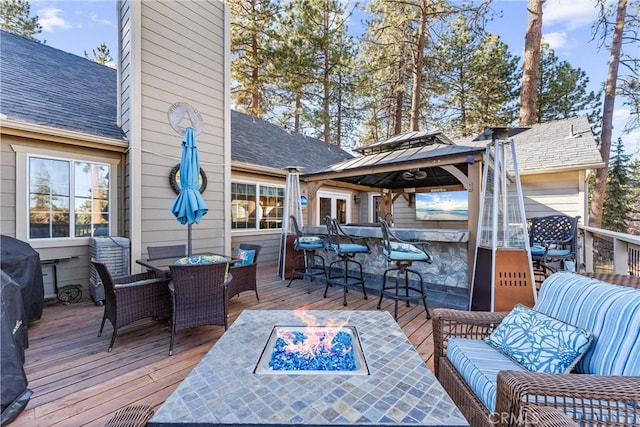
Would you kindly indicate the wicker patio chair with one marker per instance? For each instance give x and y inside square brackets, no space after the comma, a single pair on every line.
[133,297]
[131,416]
[590,391]
[198,295]
[156,252]
[243,277]
[538,416]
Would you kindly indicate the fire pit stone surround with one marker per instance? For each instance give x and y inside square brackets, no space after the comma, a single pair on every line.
[224,390]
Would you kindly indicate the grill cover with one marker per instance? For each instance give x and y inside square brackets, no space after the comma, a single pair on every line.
[22,263]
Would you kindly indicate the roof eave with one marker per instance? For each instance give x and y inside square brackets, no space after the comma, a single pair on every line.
[64,136]
[238,166]
[569,168]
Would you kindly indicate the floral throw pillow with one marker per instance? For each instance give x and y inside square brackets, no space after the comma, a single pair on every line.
[405,247]
[538,342]
[245,256]
[200,259]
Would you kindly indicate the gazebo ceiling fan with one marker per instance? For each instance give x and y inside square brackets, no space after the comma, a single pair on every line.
[413,174]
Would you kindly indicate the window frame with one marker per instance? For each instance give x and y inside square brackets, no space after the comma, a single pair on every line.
[23,156]
[334,196]
[259,210]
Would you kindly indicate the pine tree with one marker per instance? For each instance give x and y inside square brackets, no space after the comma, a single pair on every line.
[101,55]
[617,204]
[399,57]
[252,38]
[634,197]
[619,31]
[530,63]
[314,61]
[469,71]
[15,18]
[562,90]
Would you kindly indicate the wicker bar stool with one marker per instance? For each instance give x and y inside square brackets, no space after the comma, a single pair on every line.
[403,255]
[346,251]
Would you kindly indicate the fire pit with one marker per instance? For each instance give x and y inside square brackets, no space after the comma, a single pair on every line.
[312,350]
[227,388]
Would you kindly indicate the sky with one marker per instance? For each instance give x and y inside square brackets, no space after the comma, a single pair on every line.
[77,26]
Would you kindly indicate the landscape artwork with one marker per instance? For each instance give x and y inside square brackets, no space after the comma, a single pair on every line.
[442,206]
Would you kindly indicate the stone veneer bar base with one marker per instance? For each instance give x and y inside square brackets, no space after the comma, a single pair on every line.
[223,390]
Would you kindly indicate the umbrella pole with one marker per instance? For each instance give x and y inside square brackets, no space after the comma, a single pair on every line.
[189,240]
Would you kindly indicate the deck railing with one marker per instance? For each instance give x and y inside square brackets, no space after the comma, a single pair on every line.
[609,251]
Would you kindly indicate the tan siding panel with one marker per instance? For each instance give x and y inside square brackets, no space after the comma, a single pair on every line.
[270,243]
[7,188]
[551,194]
[181,54]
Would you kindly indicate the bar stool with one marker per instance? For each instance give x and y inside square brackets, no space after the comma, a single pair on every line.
[346,251]
[308,244]
[402,254]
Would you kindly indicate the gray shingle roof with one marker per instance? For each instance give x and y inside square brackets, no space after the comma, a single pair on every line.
[262,143]
[560,144]
[43,85]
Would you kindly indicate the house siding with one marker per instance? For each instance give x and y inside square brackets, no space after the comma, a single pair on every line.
[181,50]
[7,187]
[555,193]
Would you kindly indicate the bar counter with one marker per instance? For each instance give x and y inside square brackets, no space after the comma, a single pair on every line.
[374,231]
[448,273]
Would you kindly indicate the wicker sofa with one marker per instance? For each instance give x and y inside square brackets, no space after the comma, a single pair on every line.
[606,393]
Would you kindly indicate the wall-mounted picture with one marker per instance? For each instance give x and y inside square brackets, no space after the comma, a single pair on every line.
[442,206]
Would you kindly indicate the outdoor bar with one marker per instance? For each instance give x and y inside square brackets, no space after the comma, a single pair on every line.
[448,271]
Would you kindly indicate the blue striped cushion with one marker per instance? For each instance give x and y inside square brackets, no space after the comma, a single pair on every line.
[479,363]
[610,312]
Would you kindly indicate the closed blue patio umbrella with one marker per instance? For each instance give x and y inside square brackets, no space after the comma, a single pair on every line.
[189,206]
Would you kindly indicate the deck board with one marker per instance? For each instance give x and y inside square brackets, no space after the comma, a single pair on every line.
[75,381]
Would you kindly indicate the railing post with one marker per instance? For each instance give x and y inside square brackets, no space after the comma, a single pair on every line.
[588,251]
[620,261]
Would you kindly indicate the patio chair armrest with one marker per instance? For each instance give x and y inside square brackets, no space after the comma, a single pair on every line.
[596,396]
[154,281]
[449,323]
[134,278]
[243,278]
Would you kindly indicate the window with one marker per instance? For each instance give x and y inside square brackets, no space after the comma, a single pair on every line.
[256,206]
[67,198]
[334,205]
[374,204]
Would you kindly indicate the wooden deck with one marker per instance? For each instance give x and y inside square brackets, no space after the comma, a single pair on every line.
[75,381]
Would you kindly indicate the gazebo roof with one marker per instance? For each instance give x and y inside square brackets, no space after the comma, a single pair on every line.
[410,160]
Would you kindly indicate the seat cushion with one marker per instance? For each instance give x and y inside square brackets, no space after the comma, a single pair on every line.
[309,243]
[405,251]
[539,342]
[538,250]
[201,259]
[348,248]
[610,312]
[479,363]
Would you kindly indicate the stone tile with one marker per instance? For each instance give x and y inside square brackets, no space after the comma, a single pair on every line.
[223,390]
